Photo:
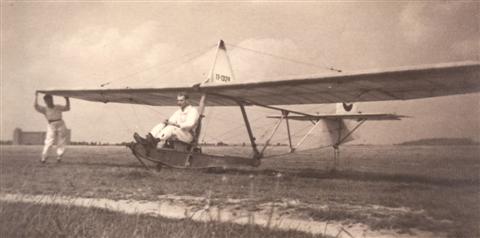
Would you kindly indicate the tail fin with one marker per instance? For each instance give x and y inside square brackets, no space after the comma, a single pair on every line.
[347,108]
[221,71]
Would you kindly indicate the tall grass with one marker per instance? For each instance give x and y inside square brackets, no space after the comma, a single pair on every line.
[37,220]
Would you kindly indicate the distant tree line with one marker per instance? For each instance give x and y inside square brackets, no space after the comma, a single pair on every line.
[442,141]
[221,143]
[95,143]
[98,143]
[5,142]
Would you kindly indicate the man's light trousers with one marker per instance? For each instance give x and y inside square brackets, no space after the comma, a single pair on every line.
[56,131]
[163,132]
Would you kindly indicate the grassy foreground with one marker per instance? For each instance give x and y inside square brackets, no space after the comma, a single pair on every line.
[434,189]
[33,220]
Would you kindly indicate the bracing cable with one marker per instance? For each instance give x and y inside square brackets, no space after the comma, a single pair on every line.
[183,63]
[136,116]
[128,76]
[287,59]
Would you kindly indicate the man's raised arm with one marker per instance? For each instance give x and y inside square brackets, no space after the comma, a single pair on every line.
[37,107]
[67,104]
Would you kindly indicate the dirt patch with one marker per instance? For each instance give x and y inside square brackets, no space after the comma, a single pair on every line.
[279,215]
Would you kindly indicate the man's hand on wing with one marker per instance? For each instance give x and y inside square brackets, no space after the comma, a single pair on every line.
[35,102]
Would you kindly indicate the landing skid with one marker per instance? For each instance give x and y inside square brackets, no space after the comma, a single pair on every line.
[185,160]
[336,158]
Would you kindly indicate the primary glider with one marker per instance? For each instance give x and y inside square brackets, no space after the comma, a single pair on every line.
[220,89]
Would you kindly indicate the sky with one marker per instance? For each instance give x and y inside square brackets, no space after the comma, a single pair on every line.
[50,44]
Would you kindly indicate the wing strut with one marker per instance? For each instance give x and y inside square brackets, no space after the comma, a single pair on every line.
[256,154]
[285,114]
[305,136]
[267,143]
[197,131]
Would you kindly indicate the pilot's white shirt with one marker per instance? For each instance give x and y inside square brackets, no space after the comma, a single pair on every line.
[186,118]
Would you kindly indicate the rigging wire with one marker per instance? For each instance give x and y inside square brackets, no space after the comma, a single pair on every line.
[207,122]
[151,108]
[233,129]
[304,128]
[126,126]
[287,59]
[235,132]
[152,67]
[293,134]
[136,117]
[303,150]
[183,63]
[251,121]
[220,114]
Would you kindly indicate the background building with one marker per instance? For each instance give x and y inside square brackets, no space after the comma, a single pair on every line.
[32,137]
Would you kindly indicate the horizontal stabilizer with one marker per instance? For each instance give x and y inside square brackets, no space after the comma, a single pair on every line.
[358,116]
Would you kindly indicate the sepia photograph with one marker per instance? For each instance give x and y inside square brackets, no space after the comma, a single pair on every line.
[202,119]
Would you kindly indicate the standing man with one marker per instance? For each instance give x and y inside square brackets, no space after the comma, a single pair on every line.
[56,129]
[180,125]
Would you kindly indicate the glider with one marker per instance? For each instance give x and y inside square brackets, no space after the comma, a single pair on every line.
[344,89]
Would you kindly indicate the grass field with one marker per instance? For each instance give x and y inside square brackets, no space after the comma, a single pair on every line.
[67,221]
[407,188]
